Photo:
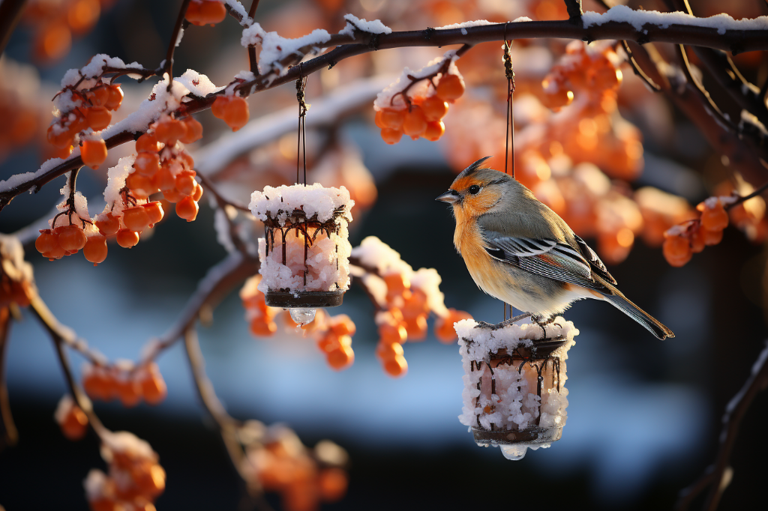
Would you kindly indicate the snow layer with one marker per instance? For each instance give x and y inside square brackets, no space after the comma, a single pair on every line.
[721,22]
[515,405]
[275,48]
[278,203]
[372,27]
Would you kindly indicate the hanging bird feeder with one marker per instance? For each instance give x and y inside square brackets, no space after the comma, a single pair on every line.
[305,250]
[514,383]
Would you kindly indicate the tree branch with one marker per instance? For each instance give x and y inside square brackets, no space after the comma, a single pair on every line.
[254,63]
[716,476]
[733,40]
[574,10]
[212,288]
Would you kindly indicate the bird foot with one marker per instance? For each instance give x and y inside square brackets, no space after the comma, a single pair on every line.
[503,324]
[542,322]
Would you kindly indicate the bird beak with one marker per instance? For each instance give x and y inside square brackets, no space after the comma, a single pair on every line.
[451,197]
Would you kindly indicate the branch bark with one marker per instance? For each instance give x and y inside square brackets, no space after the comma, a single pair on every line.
[8,433]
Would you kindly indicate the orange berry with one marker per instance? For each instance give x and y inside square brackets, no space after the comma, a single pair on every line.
[71,238]
[391,136]
[415,123]
[697,240]
[95,249]
[342,325]
[262,327]
[173,195]
[388,350]
[169,131]
[198,193]
[136,218]
[450,88]
[98,117]
[149,478]
[555,95]
[328,342]
[59,136]
[154,212]
[187,209]
[115,97]
[185,183]
[332,484]
[142,186]
[397,283]
[377,119]
[98,96]
[396,367]
[236,113]
[147,143]
[75,423]
[416,327]
[108,224]
[219,104]
[128,390]
[98,384]
[127,238]
[391,118]
[164,179]
[153,387]
[147,164]
[714,218]
[434,108]
[46,242]
[434,131]
[186,160]
[712,237]
[444,330]
[93,152]
[341,357]
[194,131]
[390,333]
[677,250]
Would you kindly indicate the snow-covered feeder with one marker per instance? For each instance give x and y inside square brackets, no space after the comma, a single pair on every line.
[305,249]
[514,383]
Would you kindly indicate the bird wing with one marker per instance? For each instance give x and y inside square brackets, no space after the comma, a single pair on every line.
[594,261]
[547,258]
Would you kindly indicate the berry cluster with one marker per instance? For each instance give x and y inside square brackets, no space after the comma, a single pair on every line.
[14,289]
[302,477]
[405,318]
[19,109]
[684,240]
[125,382]
[747,215]
[332,333]
[162,165]
[419,114]
[135,477]
[206,12]
[71,419]
[85,109]
[232,109]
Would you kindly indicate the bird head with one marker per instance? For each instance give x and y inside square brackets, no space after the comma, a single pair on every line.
[476,190]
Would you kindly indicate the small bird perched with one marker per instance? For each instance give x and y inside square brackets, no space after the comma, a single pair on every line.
[521,252]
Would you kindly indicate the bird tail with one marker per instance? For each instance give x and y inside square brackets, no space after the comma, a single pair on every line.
[650,323]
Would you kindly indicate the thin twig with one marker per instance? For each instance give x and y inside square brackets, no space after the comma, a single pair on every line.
[62,335]
[10,14]
[168,67]
[254,63]
[8,433]
[225,423]
[716,475]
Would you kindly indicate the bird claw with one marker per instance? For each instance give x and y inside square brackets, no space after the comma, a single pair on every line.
[503,324]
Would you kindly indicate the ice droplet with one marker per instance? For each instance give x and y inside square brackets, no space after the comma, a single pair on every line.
[302,315]
[513,452]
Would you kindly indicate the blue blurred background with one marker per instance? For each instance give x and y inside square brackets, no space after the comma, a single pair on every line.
[643,418]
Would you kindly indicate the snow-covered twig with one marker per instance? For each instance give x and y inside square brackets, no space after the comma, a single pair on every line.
[174,42]
[717,475]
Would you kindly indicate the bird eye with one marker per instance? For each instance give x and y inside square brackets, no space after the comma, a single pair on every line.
[474,189]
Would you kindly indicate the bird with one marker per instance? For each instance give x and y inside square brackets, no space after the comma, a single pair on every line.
[521,252]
